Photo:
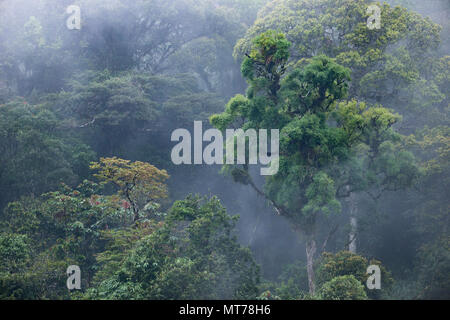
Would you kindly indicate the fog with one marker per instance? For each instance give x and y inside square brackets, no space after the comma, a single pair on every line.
[135,71]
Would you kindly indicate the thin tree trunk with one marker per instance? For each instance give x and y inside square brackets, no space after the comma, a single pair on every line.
[353,208]
[352,234]
[310,252]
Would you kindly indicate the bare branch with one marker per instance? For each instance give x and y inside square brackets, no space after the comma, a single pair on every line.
[88,123]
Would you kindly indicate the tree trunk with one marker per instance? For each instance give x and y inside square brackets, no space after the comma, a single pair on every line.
[352,234]
[353,208]
[310,252]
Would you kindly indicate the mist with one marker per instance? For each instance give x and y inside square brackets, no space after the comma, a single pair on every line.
[88,104]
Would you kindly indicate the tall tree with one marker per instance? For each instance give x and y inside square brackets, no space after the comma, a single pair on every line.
[317,133]
[390,66]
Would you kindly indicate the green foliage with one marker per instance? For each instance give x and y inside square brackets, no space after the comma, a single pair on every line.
[113,107]
[35,153]
[433,266]
[340,264]
[193,256]
[266,63]
[321,196]
[431,213]
[346,264]
[316,87]
[63,228]
[14,252]
[386,63]
[343,288]
[119,243]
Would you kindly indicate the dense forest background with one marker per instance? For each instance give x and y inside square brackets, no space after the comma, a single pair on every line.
[86,177]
